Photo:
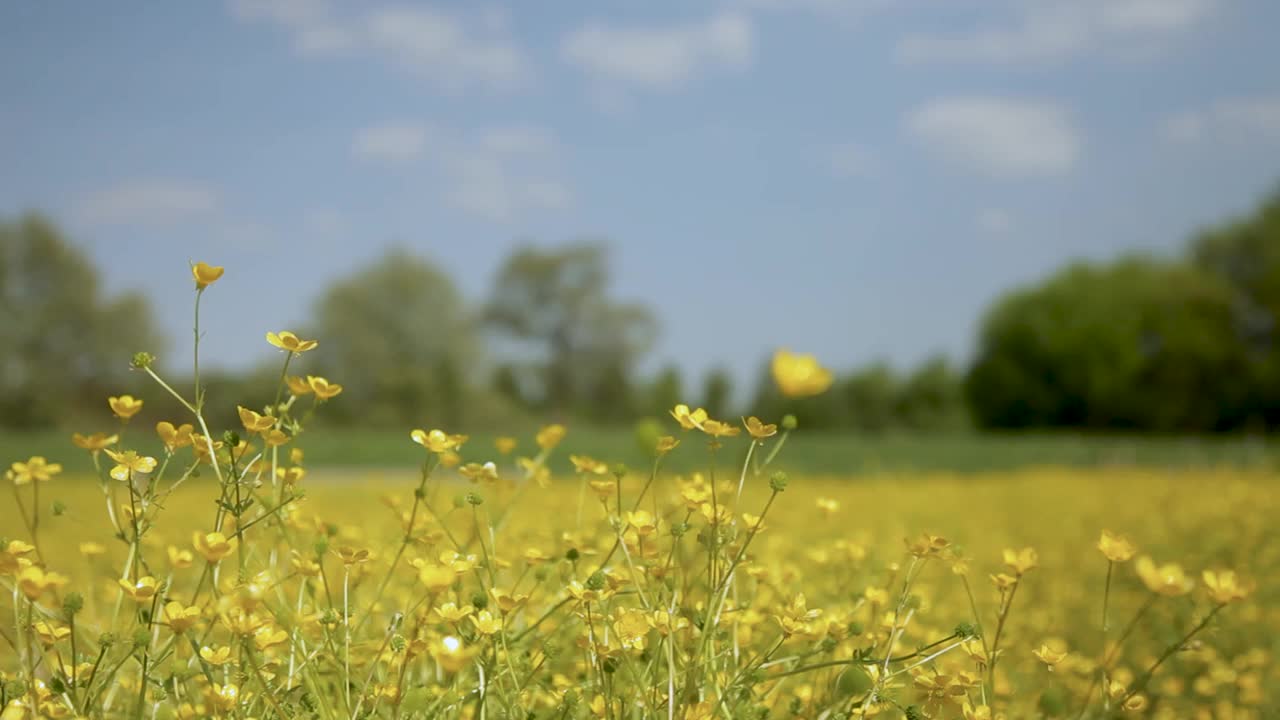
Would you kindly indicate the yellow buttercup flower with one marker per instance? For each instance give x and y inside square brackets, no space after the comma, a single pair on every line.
[253,422]
[1224,587]
[124,406]
[550,436]
[179,559]
[799,375]
[437,441]
[643,521]
[505,444]
[180,617]
[323,388]
[205,274]
[289,342]
[1168,579]
[268,637]
[219,656]
[927,545]
[213,546]
[451,613]
[718,429]
[666,444]
[486,623]
[95,442]
[130,462]
[1049,655]
[174,437]
[1020,561]
[141,591]
[758,429]
[1116,548]
[689,419]
[298,385]
[34,581]
[476,472]
[588,466]
[34,469]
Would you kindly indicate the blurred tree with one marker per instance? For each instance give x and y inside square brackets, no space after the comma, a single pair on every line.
[63,346]
[870,398]
[1138,344]
[1245,253]
[557,301]
[665,392]
[717,393]
[397,336]
[931,398]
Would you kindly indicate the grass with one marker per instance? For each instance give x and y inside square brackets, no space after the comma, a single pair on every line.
[828,453]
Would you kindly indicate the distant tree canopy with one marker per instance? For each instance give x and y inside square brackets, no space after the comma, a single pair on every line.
[556,304]
[1136,344]
[64,345]
[399,337]
[1141,343]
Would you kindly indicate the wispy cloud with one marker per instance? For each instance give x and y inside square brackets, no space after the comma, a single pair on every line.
[497,174]
[390,143]
[1059,30]
[1254,117]
[453,50]
[622,57]
[1001,137]
[150,201]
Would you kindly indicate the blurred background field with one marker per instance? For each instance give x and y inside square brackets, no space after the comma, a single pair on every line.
[825,453]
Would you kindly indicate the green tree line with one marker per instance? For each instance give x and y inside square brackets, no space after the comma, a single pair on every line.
[1139,343]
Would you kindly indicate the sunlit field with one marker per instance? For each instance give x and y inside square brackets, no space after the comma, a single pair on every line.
[227,574]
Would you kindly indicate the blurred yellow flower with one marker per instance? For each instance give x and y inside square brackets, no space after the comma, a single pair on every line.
[205,274]
[254,422]
[486,623]
[758,429]
[323,389]
[666,444]
[799,375]
[1224,587]
[130,462]
[124,406]
[505,444]
[180,617]
[297,385]
[1168,579]
[174,437]
[289,342]
[95,442]
[36,469]
[689,419]
[34,581]
[437,441]
[213,546]
[220,656]
[450,654]
[550,436]
[1116,548]
[1048,655]
[140,591]
[588,466]
[718,429]
[1020,561]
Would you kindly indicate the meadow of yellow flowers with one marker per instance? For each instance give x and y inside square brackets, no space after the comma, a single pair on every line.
[219,580]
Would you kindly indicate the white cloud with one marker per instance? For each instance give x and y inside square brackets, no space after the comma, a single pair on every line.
[1059,30]
[447,49]
[497,173]
[147,201]
[1253,117]
[994,221]
[390,143]
[660,58]
[1002,137]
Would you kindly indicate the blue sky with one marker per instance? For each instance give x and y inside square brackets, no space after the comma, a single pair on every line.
[855,178]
